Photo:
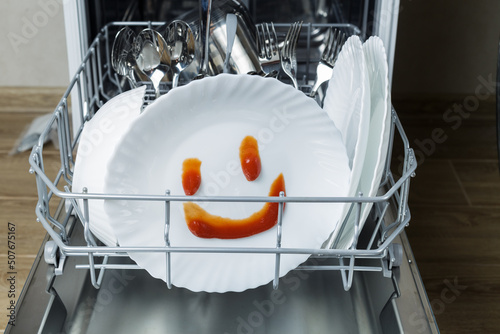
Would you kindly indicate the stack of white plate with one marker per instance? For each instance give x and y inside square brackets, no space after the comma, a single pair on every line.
[358,101]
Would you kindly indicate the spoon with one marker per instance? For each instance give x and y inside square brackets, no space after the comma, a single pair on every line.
[180,47]
[122,55]
[231,26]
[152,57]
[205,12]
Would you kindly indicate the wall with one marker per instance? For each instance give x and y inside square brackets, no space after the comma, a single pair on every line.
[444,46]
[32,43]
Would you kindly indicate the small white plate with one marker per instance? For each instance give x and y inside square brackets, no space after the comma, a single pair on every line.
[207,119]
[347,102]
[97,141]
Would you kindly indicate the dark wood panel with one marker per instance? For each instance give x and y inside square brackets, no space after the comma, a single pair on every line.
[447,128]
[464,297]
[432,141]
[435,183]
[454,201]
[481,181]
[478,172]
[433,106]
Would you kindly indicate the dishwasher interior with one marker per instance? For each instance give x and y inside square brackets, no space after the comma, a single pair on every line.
[77,286]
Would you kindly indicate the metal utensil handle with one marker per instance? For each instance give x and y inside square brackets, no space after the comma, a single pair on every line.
[205,11]
[231,26]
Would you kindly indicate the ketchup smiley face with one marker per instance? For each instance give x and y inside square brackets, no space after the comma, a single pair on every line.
[205,225]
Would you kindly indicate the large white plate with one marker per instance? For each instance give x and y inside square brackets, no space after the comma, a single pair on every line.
[378,134]
[97,141]
[347,102]
[207,119]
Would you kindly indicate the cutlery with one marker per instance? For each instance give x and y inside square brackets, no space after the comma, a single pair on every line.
[231,26]
[152,56]
[267,44]
[180,47]
[333,44]
[122,55]
[288,55]
[205,12]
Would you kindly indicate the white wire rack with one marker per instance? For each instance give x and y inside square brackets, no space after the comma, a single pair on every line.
[95,83]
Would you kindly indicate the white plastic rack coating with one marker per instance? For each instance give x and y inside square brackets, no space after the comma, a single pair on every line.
[95,82]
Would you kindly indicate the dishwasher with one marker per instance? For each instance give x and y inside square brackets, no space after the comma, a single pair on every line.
[77,286]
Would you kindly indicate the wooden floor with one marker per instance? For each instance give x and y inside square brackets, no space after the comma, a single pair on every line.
[18,194]
[455,207]
[454,202]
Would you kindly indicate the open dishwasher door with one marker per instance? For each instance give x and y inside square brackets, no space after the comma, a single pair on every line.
[306,301]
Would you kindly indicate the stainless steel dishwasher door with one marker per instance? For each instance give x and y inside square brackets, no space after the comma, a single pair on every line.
[131,301]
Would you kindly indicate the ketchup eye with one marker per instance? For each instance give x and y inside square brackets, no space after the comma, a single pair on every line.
[191,176]
[250,158]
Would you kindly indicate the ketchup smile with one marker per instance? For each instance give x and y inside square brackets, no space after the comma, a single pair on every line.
[205,225]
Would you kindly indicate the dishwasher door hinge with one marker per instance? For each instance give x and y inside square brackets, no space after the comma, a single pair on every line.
[52,255]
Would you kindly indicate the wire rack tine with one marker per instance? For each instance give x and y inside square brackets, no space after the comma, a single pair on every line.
[278,243]
[168,273]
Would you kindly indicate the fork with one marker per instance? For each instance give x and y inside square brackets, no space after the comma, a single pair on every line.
[324,71]
[269,55]
[288,56]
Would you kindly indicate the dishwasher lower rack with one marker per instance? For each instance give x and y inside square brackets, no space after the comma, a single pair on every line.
[95,83]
